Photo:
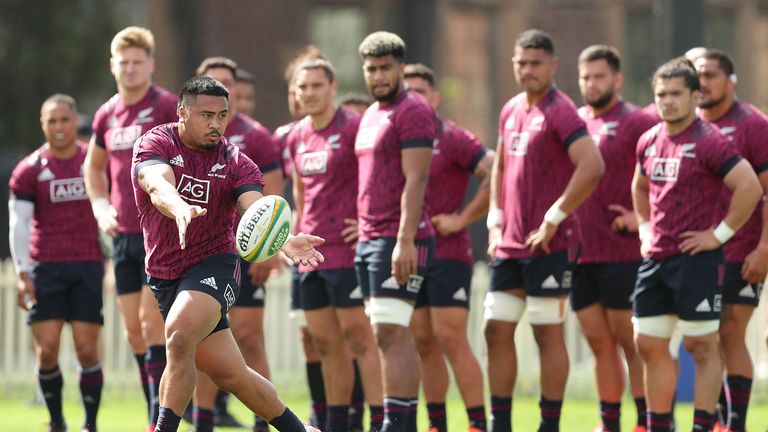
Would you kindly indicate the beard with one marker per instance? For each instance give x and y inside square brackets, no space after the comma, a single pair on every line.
[601,101]
[387,96]
[711,103]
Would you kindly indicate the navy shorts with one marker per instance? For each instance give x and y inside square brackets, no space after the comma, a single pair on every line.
[335,287]
[448,284]
[250,295]
[373,265]
[610,284]
[689,286]
[541,276]
[69,291]
[738,291]
[295,288]
[128,260]
[215,275]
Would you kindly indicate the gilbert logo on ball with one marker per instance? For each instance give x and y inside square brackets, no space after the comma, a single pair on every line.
[263,229]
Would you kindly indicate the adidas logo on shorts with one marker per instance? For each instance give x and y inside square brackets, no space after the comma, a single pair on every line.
[258,294]
[550,283]
[210,281]
[747,292]
[178,161]
[356,294]
[390,283]
[703,306]
[460,294]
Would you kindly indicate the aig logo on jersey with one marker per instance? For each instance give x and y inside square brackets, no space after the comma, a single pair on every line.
[665,169]
[518,143]
[194,190]
[314,163]
[123,138]
[71,189]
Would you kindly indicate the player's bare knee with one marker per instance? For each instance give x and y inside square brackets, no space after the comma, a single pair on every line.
[357,338]
[388,335]
[701,349]
[180,342]
[451,342]
[48,354]
[497,333]
[599,340]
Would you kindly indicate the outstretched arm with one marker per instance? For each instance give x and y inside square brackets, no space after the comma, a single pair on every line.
[159,183]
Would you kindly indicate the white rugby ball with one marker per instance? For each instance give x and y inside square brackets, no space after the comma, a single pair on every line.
[263,229]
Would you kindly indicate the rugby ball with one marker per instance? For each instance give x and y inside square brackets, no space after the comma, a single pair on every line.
[263,229]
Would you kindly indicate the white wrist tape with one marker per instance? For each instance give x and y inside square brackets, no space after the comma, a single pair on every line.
[100,206]
[723,232]
[554,215]
[644,232]
[495,218]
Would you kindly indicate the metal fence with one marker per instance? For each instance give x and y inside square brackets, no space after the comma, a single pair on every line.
[17,361]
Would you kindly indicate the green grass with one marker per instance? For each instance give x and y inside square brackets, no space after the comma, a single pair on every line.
[124,412]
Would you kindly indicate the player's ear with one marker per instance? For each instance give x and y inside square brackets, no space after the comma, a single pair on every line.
[619,79]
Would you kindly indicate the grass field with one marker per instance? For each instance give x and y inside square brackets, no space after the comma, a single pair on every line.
[120,413]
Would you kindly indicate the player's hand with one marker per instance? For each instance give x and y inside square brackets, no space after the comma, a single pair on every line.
[625,222]
[350,232]
[25,295]
[183,219]
[755,265]
[539,239]
[698,241]
[259,272]
[447,224]
[494,240]
[106,216]
[300,249]
[404,261]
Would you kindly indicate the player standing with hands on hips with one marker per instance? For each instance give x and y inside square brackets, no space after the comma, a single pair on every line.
[187,180]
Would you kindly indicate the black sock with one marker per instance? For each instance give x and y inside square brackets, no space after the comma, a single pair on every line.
[337,418]
[167,420]
[723,406]
[642,411]
[51,383]
[739,389]
[702,420]
[437,416]
[376,418]
[287,422]
[501,414]
[550,414]
[357,404]
[91,383]
[144,378]
[155,365]
[316,392]
[220,402]
[476,416]
[259,424]
[413,415]
[203,419]
[659,422]
[610,414]
[396,414]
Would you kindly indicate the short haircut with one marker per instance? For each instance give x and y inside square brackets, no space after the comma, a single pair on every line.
[133,37]
[380,44]
[723,59]
[317,63]
[201,85]
[356,99]
[418,70]
[309,52]
[536,39]
[243,76]
[602,52]
[59,98]
[215,63]
[679,67]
